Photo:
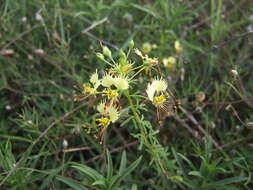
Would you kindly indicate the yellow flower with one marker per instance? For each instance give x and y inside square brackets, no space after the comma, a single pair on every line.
[169,62]
[109,112]
[178,47]
[155,91]
[121,83]
[113,114]
[94,80]
[107,81]
[91,87]
[160,85]
[146,47]
[101,107]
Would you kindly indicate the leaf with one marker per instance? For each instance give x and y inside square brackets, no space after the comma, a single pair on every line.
[230,180]
[48,179]
[144,9]
[222,183]
[176,178]
[88,171]
[99,182]
[122,163]
[109,165]
[127,171]
[187,160]
[72,183]
[195,173]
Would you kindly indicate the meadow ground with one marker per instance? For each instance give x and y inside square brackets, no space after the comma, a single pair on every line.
[53,135]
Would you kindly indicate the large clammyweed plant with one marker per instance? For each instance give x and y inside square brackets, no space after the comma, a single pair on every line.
[123,98]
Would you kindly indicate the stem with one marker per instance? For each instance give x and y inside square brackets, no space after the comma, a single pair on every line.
[146,142]
[137,73]
[136,116]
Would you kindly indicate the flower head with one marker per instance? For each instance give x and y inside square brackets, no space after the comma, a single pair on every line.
[156,91]
[101,107]
[107,81]
[94,80]
[91,87]
[109,113]
[160,85]
[113,114]
[121,83]
[146,47]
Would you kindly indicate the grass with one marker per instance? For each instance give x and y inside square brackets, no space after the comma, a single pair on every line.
[49,47]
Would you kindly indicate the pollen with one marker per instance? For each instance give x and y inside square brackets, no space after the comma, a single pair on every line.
[111,93]
[104,122]
[159,99]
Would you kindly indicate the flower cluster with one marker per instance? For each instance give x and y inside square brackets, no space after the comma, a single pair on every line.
[170,62]
[113,84]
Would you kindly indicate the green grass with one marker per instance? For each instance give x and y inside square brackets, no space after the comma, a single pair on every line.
[38,112]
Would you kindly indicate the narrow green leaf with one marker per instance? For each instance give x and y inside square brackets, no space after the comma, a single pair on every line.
[122,163]
[88,171]
[187,160]
[195,173]
[109,165]
[146,10]
[99,182]
[127,171]
[72,183]
[227,181]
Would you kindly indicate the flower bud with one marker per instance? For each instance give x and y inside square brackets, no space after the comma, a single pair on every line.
[100,56]
[131,44]
[107,52]
[178,47]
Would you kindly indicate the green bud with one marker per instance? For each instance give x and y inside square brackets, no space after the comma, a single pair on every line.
[131,44]
[122,54]
[107,52]
[100,56]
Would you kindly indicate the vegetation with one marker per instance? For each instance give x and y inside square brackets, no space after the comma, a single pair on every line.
[126,95]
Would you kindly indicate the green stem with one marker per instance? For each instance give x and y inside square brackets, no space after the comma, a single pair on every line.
[136,116]
[139,124]
[137,73]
